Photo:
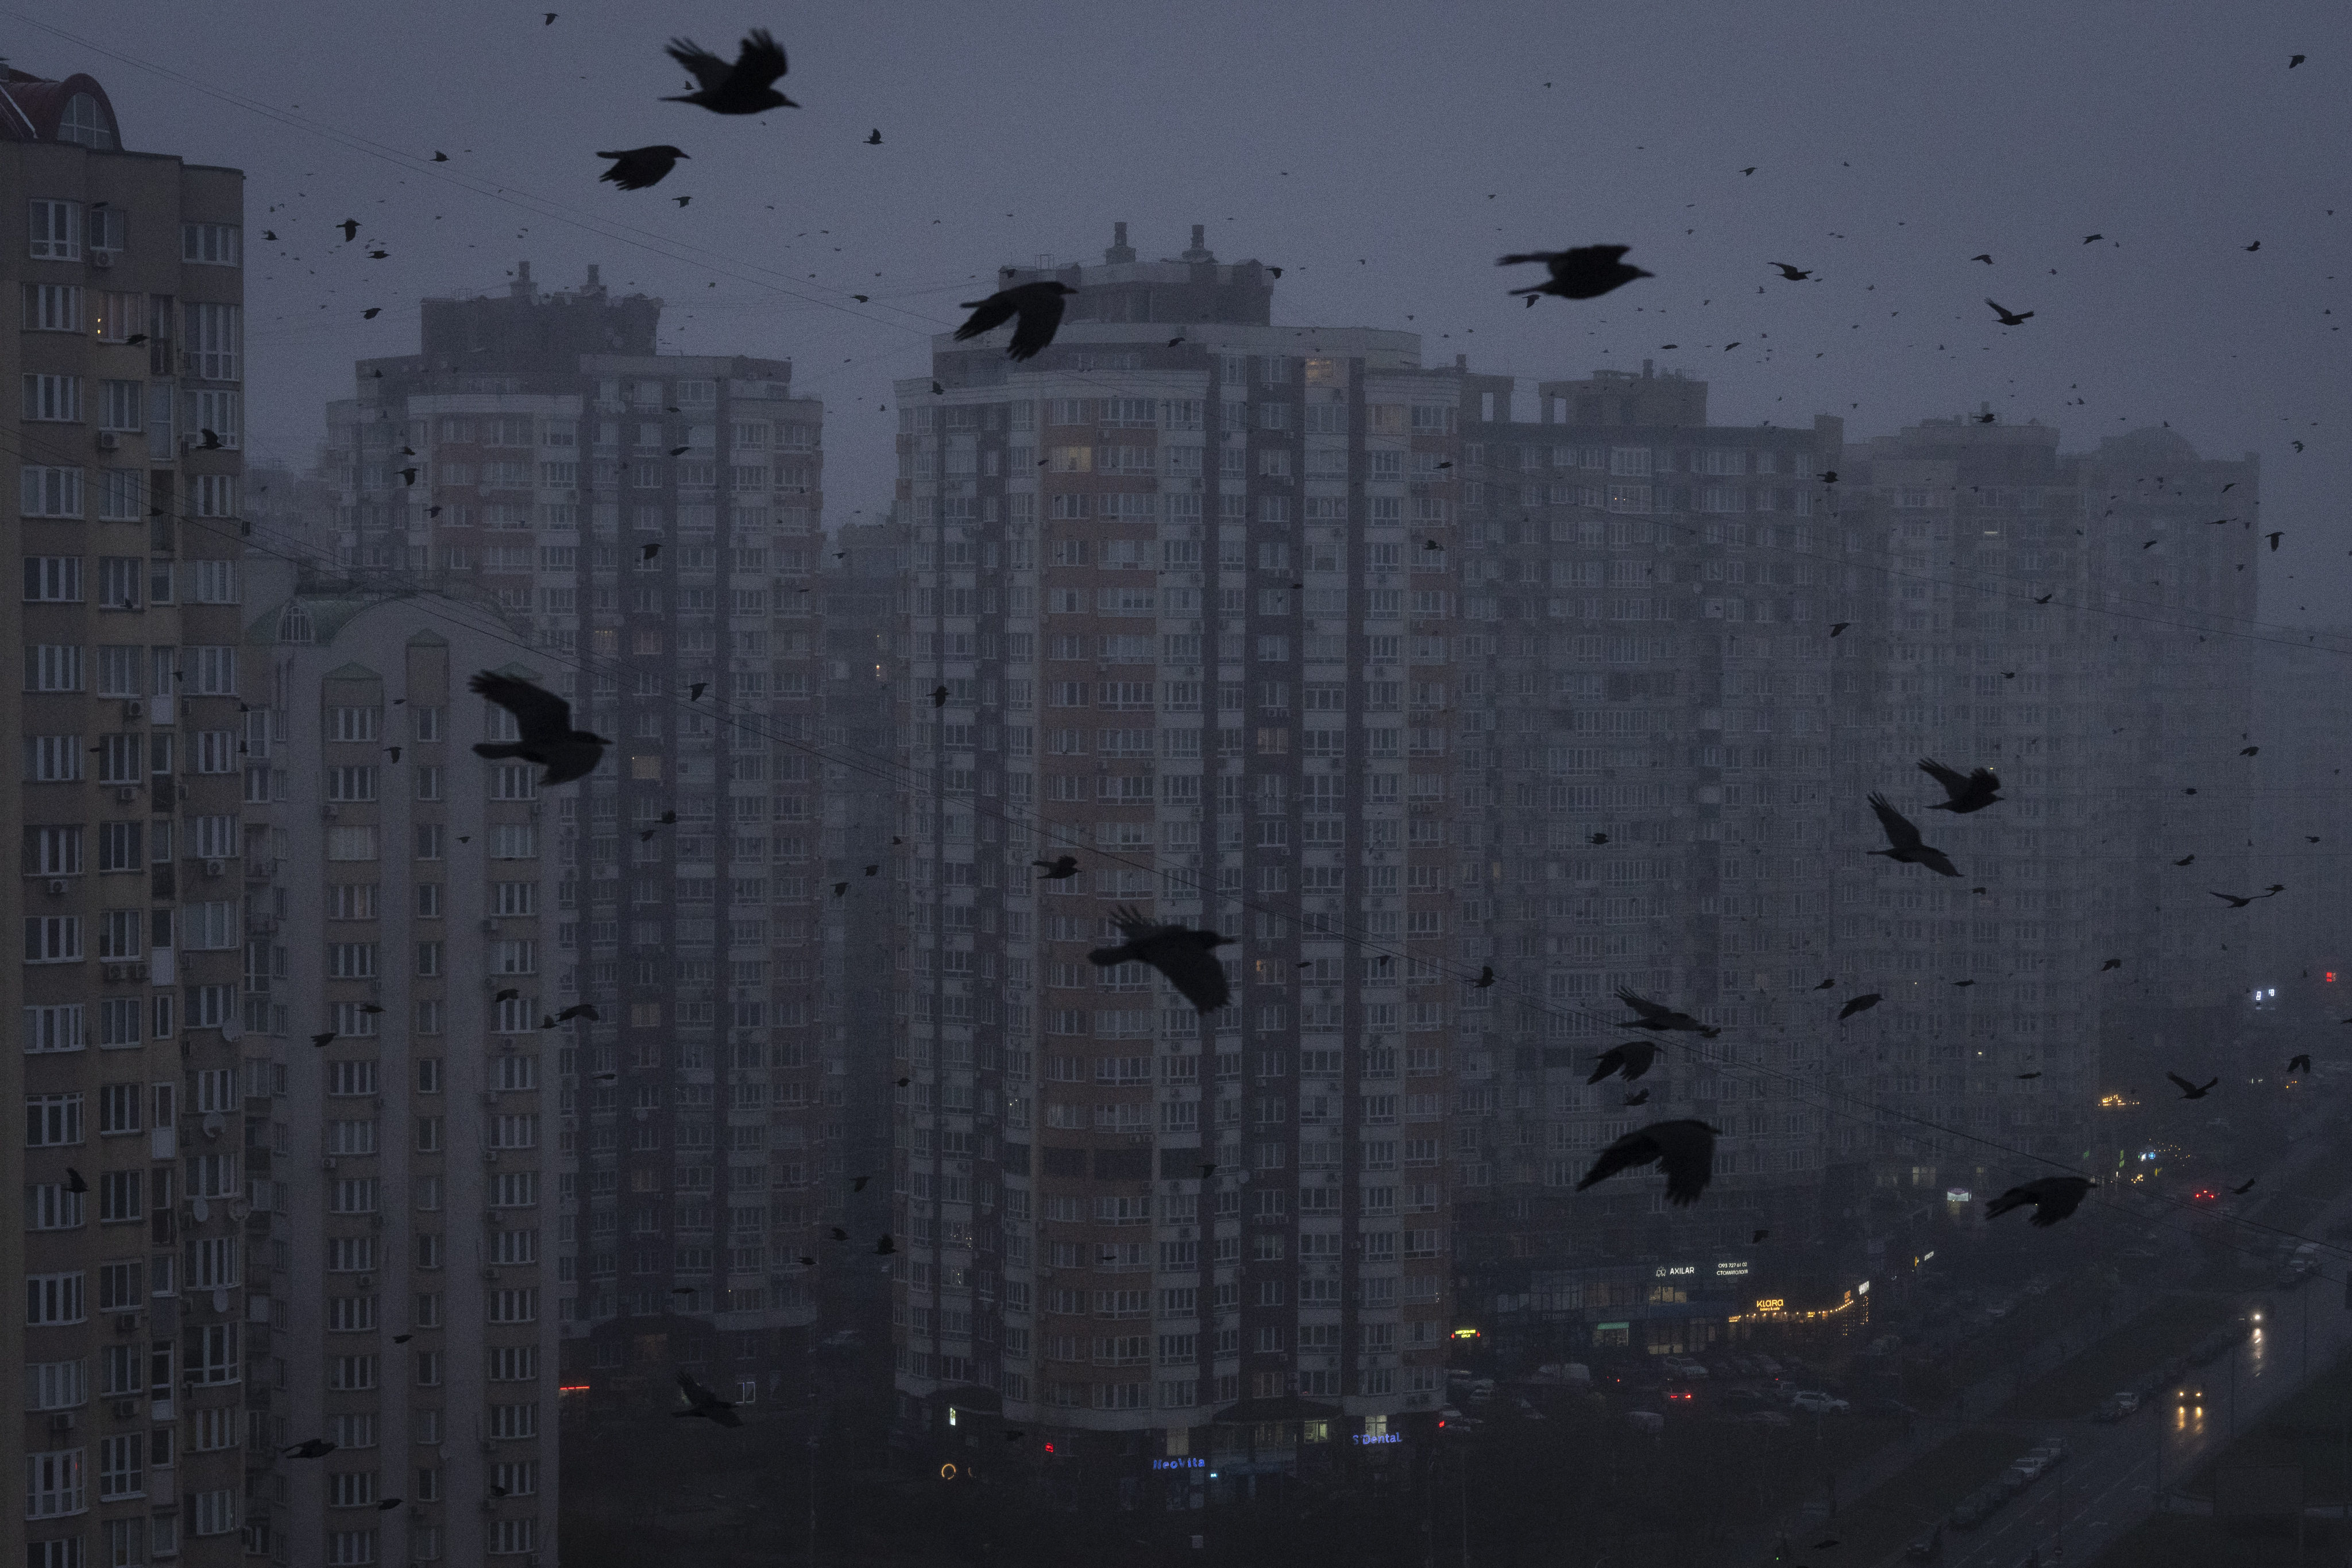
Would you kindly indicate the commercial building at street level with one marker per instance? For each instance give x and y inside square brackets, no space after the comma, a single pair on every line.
[1642,682]
[401,895]
[1183,603]
[134,1356]
[652,520]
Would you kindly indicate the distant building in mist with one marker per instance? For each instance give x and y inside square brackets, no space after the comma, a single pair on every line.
[647,524]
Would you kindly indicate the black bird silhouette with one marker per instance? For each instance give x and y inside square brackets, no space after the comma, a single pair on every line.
[1207,1171]
[1038,307]
[694,692]
[884,1247]
[2191,1091]
[1827,985]
[839,1234]
[1059,870]
[1597,838]
[402,1339]
[1587,272]
[2242,1192]
[370,1007]
[1643,1098]
[1187,957]
[634,168]
[700,1400]
[1755,1237]
[1632,1058]
[2046,598]
[1485,976]
[1862,1003]
[875,139]
[2009,318]
[2089,237]
[1839,626]
[744,88]
[858,1184]
[544,721]
[309,1448]
[839,889]
[1684,1151]
[2025,1075]
[2256,246]
[1794,275]
[874,870]
[1988,419]
[322,1039]
[2250,751]
[580,1010]
[506,993]
[680,451]
[647,552]
[74,1183]
[212,443]
[2111,964]
[2274,539]
[2296,60]
[385,1505]
[351,228]
[1903,843]
[1971,792]
[2185,859]
[1987,259]
[370,313]
[2298,1064]
[2234,900]
[1658,1016]
[939,696]
[2053,1199]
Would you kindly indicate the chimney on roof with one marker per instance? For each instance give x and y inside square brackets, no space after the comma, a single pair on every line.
[1462,361]
[522,288]
[1200,251]
[1120,250]
[595,284]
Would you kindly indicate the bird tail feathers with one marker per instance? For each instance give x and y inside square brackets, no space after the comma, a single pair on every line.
[485,749]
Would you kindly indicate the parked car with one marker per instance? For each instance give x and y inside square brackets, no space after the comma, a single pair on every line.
[1814,1401]
[2029,1465]
[2111,1410]
[1742,1399]
[1645,1420]
[2051,1451]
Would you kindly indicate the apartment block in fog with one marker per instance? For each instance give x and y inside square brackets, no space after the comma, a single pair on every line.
[1642,686]
[652,520]
[135,1357]
[404,903]
[1179,601]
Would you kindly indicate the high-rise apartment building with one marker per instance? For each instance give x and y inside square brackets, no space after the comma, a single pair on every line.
[1172,609]
[403,900]
[652,520]
[1642,684]
[131,1353]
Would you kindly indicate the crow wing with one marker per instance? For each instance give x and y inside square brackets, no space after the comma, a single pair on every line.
[1563,262]
[1635,1148]
[696,1394]
[2015,1198]
[1936,860]
[700,63]
[1898,827]
[539,715]
[1041,317]
[757,63]
[1956,784]
[986,315]
[1191,966]
[1862,1003]
[2058,1197]
[2181,1082]
[1546,257]
[1687,1155]
[1652,1012]
[1611,1060]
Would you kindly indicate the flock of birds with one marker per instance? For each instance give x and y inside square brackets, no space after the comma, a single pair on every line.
[1682,1149]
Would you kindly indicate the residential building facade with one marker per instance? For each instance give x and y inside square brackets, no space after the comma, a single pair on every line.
[135,1355]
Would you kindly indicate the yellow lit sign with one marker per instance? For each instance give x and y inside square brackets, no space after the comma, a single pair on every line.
[1466,1334]
[1773,1305]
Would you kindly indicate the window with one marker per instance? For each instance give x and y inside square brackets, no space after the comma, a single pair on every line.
[213,340]
[53,308]
[54,1299]
[49,493]
[221,413]
[218,244]
[53,1483]
[54,398]
[55,229]
[55,1027]
[83,124]
[212,1512]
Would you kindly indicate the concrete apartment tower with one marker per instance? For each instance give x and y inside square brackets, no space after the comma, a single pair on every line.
[138,1362]
[1169,603]
[648,524]
[1641,696]
[404,908]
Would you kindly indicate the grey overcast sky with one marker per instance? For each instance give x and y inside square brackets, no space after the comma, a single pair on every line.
[1383,154]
